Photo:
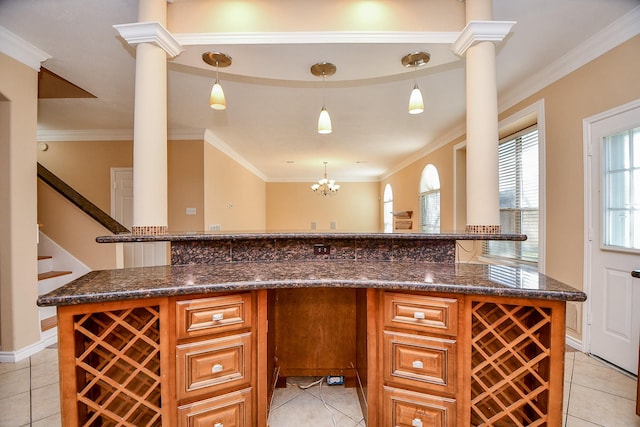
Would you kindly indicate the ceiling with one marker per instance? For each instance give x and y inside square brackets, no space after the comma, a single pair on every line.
[273,100]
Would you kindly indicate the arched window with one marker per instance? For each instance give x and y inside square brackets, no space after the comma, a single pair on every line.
[430,200]
[387,209]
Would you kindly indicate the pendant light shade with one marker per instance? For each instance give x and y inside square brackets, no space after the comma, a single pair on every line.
[416,104]
[324,121]
[323,69]
[217,59]
[217,101]
[415,60]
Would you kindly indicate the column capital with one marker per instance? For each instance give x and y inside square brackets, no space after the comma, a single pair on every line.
[479,31]
[150,32]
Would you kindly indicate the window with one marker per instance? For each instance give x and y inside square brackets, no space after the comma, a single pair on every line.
[430,200]
[387,209]
[621,197]
[519,195]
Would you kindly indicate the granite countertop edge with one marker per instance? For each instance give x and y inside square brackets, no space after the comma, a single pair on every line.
[167,281]
[214,236]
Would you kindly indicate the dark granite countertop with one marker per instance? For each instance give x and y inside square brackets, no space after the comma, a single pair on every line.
[212,236]
[161,281]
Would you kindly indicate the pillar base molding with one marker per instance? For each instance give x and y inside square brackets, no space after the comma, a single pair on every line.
[482,229]
[149,230]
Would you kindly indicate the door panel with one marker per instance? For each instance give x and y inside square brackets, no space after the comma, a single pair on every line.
[614,296]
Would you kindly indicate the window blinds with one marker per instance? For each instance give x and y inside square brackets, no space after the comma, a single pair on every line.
[519,195]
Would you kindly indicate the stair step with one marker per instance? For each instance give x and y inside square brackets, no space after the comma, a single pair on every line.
[41,257]
[48,323]
[51,274]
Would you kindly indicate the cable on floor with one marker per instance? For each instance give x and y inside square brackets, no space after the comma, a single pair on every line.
[320,381]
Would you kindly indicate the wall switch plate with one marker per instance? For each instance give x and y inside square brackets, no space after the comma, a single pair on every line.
[191,211]
[321,249]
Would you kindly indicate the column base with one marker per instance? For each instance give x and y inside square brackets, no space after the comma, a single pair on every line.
[146,230]
[482,229]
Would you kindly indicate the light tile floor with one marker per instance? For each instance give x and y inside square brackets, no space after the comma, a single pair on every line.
[595,395]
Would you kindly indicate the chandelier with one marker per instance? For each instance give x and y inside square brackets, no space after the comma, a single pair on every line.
[325,187]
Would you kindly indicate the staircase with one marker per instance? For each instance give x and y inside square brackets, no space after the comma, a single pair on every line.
[48,280]
[56,267]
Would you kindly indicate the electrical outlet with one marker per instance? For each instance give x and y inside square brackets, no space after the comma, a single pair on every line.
[321,249]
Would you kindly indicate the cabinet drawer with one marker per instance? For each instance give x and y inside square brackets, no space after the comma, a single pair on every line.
[424,362]
[421,313]
[229,410]
[406,408]
[205,316]
[211,365]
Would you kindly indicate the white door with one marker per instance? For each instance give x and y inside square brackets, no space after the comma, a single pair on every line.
[122,206]
[613,305]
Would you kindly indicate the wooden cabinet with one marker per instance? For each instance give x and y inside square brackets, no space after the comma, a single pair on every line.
[419,359]
[215,357]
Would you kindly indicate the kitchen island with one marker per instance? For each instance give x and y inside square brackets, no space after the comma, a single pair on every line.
[426,340]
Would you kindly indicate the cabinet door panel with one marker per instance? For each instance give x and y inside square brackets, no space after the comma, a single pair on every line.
[208,366]
[424,362]
[421,313]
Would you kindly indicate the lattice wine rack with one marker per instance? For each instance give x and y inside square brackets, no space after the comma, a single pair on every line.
[118,367]
[510,364]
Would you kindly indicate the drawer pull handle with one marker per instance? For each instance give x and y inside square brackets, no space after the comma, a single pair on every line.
[417,364]
[218,425]
[418,315]
[217,317]
[217,368]
[416,422]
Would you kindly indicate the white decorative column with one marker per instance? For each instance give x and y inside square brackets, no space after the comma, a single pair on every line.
[476,41]
[153,44]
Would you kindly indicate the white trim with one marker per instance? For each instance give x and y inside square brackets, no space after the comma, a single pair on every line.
[317,37]
[21,50]
[150,32]
[481,31]
[216,142]
[588,232]
[613,35]
[574,343]
[15,356]
[537,108]
[456,148]
[47,135]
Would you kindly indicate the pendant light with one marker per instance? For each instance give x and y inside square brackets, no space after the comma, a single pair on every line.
[415,60]
[325,186]
[217,59]
[323,69]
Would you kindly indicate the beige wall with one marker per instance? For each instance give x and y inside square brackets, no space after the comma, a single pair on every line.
[329,15]
[186,185]
[86,166]
[234,197]
[19,323]
[293,206]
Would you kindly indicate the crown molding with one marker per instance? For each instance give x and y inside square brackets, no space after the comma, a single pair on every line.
[21,50]
[45,135]
[216,142]
[150,32]
[481,31]
[318,37]
[613,35]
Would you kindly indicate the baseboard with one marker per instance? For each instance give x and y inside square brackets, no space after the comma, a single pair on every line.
[47,338]
[574,343]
